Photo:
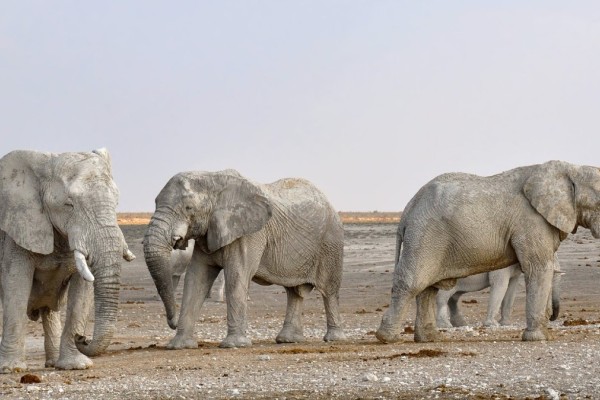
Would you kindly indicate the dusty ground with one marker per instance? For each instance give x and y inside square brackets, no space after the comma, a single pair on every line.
[469,363]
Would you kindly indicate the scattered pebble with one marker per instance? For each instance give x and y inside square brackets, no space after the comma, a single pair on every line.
[370,377]
[552,394]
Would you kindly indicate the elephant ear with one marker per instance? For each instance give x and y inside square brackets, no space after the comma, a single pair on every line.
[551,192]
[22,214]
[241,209]
[103,152]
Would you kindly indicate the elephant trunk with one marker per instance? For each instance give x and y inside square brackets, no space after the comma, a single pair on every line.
[106,301]
[556,281]
[106,268]
[157,252]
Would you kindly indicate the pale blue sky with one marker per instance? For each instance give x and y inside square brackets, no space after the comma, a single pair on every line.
[368,99]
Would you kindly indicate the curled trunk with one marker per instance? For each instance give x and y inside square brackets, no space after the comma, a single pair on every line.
[106,302]
[105,253]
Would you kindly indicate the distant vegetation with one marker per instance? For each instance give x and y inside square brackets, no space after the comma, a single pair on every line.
[370,217]
[348,217]
[133,218]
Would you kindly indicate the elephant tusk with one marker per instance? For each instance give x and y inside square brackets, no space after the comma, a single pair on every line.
[82,266]
[128,255]
[175,239]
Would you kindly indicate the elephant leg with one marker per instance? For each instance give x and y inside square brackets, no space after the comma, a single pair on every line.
[403,291]
[425,325]
[175,281]
[240,262]
[52,332]
[498,287]
[508,301]
[554,300]
[334,320]
[442,315]
[456,317]
[198,281]
[79,302]
[537,284]
[237,281]
[330,266]
[16,278]
[292,331]
[220,288]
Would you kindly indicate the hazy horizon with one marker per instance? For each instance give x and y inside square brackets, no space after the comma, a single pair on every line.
[368,100]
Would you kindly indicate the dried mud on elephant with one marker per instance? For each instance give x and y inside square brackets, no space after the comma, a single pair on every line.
[473,362]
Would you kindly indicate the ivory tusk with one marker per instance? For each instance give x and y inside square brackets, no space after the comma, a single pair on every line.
[82,266]
[128,255]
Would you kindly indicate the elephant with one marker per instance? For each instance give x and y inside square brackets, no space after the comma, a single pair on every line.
[461,224]
[284,233]
[503,284]
[59,239]
[180,261]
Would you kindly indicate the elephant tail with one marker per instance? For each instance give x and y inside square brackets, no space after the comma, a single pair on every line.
[399,239]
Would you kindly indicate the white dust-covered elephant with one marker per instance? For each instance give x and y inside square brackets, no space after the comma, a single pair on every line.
[503,284]
[460,224]
[58,234]
[283,233]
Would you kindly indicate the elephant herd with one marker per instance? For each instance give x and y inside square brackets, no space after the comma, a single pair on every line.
[60,244]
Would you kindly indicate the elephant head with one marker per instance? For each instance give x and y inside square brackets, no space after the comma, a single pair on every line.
[214,208]
[566,195]
[68,200]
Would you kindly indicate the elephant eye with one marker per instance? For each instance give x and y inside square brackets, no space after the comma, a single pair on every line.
[188,208]
[69,202]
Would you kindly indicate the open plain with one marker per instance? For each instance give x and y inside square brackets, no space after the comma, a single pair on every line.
[474,362]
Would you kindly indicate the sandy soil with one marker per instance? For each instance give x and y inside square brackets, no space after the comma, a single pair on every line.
[482,363]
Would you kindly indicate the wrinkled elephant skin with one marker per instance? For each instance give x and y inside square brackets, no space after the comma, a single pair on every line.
[59,241]
[283,233]
[459,225]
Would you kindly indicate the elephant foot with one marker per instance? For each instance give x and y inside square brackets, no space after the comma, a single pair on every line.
[491,323]
[458,321]
[8,366]
[290,334]
[50,363]
[444,324]
[385,335]
[504,322]
[232,341]
[181,342]
[426,334]
[80,361]
[535,335]
[334,334]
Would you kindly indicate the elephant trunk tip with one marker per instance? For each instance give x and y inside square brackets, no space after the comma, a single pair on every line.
[89,348]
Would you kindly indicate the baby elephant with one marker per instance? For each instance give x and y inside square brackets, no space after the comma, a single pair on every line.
[503,285]
[283,233]
[181,260]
